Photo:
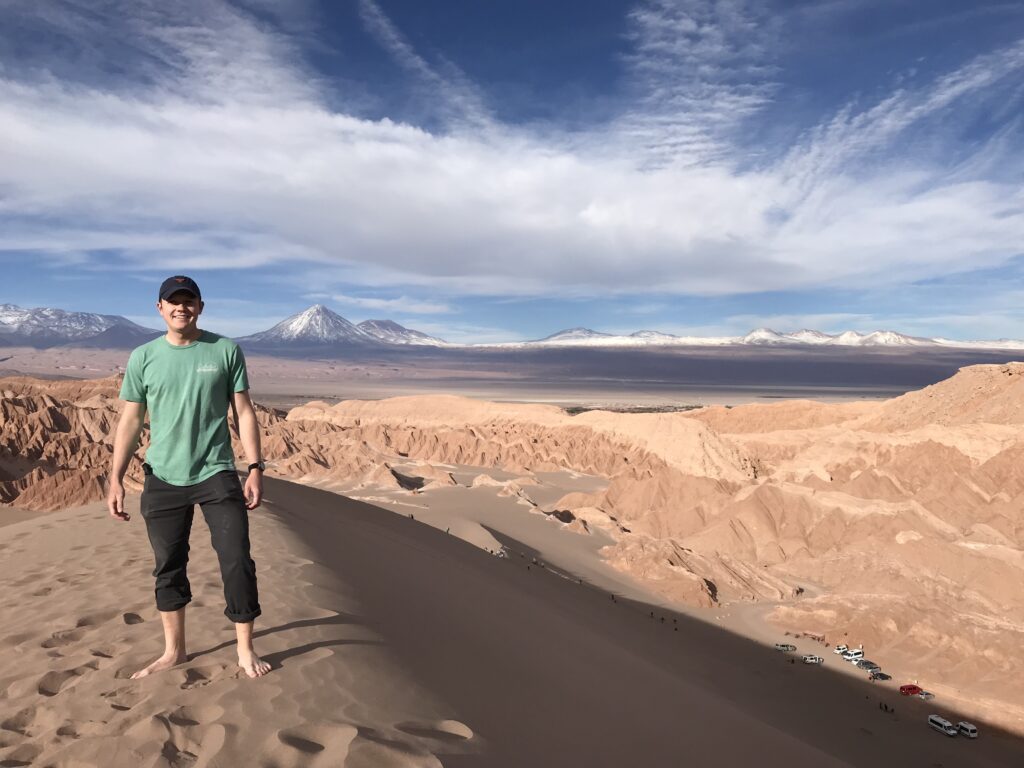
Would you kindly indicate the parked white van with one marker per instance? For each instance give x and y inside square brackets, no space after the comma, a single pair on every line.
[942,725]
[967,729]
[853,655]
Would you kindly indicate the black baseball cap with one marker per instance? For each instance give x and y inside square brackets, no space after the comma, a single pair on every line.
[177,283]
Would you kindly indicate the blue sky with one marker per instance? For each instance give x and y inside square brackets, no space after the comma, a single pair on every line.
[503,170]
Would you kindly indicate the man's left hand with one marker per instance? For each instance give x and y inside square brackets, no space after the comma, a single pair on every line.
[253,489]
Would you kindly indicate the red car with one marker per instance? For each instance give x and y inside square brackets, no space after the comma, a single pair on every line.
[910,690]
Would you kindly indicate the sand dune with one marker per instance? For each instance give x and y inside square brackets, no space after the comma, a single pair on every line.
[394,644]
[895,524]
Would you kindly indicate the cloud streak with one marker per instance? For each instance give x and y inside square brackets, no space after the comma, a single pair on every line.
[232,158]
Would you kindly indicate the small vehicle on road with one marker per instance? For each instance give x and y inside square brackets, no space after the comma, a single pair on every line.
[840,649]
[926,695]
[785,647]
[812,659]
[942,725]
[867,666]
[878,674]
[853,655]
[910,690]
[967,729]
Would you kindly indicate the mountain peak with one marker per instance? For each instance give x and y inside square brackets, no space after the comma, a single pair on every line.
[314,325]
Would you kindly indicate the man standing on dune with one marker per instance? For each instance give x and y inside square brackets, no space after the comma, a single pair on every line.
[186,380]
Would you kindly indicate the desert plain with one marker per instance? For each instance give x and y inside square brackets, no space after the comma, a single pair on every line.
[450,580]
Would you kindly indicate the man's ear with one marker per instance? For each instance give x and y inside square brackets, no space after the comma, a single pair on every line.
[202,306]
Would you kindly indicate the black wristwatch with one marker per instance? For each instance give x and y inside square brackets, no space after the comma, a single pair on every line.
[258,465]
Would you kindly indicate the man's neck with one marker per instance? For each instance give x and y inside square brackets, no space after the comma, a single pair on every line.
[183,338]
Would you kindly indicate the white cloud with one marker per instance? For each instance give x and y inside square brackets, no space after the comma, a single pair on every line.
[699,69]
[401,304]
[233,159]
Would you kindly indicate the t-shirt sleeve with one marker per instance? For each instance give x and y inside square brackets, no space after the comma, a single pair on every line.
[133,388]
[239,376]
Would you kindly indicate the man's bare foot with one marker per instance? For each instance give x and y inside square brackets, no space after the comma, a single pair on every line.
[164,662]
[252,664]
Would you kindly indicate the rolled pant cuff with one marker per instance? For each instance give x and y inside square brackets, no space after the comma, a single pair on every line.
[243,618]
[168,606]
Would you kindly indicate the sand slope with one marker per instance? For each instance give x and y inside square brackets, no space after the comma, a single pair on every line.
[79,618]
[395,644]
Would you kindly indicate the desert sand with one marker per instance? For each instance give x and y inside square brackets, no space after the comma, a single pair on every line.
[892,524]
[395,644]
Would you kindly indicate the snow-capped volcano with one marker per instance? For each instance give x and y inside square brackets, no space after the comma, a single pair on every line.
[47,327]
[319,326]
[316,325]
[391,332]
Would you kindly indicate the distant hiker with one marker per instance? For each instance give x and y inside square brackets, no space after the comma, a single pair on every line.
[186,380]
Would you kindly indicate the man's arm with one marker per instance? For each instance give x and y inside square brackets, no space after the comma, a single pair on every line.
[249,434]
[126,440]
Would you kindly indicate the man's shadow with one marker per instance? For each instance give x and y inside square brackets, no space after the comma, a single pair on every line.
[277,659]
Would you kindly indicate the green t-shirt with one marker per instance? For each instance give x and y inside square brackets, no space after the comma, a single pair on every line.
[187,391]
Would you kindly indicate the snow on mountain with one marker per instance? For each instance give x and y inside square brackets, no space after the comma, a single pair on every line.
[765,336]
[879,339]
[316,325]
[391,332]
[805,336]
[584,337]
[320,326]
[996,344]
[46,326]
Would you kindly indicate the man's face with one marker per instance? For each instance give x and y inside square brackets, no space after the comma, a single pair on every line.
[180,311]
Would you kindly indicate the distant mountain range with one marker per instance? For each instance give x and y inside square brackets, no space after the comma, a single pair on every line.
[585,337]
[319,328]
[47,327]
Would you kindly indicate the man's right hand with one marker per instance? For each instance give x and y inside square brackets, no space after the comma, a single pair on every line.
[115,500]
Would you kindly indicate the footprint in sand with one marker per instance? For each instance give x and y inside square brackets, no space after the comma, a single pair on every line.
[197,677]
[42,592]
[177,758]
[132,618]
[22,755]
[68,730]
[95,619]
[313,739]
[186,717]
[51,683]
[123,699]
[20,721]
[62,638]
[439,730]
